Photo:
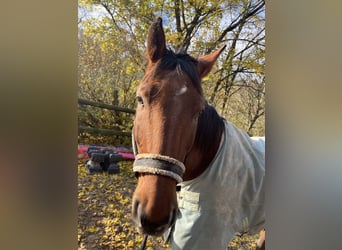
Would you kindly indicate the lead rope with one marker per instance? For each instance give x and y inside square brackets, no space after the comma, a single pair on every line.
[143,245]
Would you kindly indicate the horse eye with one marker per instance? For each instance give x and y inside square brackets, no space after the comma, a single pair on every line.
[140,100]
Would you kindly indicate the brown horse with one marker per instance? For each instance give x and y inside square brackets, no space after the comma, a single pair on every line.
[178,136]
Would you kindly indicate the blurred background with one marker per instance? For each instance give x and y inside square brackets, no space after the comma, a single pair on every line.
[39,87]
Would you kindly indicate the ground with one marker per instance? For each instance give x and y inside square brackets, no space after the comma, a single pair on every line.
[104,213]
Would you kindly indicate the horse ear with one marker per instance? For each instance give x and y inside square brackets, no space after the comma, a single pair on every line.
[205,63]
[156,46]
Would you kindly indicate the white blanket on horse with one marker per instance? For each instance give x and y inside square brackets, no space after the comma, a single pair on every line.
[228,198]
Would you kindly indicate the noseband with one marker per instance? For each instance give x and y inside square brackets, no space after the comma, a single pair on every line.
[157,164]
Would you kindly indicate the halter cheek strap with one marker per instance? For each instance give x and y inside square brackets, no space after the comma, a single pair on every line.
[160,165]
[134,144]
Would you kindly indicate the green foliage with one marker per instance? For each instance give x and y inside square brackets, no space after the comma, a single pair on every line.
[112,41]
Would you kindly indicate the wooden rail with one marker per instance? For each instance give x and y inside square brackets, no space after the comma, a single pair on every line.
[103,131]
[104,106]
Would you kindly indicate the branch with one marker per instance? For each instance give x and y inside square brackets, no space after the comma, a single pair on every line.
[239,20]
[192,28]
[249,86]
[131,32]
[177,16]
[111,15]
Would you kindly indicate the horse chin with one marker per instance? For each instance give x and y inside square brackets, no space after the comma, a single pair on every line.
[152,230]
[155,232]
[149,228]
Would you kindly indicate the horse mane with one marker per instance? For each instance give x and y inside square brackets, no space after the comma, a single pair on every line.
[181,62]
[209,129]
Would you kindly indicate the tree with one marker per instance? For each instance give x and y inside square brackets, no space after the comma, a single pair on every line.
[112,42]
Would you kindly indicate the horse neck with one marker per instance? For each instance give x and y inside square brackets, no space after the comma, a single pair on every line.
[208,137]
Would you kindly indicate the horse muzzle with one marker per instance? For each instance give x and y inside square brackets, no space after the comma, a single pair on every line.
[164,209]
[145,226]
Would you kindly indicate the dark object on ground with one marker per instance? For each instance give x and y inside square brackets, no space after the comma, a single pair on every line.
[103,160]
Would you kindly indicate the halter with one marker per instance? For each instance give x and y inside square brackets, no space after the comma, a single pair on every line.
[157,164]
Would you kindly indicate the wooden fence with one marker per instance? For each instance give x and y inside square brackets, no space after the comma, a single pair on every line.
[104,106]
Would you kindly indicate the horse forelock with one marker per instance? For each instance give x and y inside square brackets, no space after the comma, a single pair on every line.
[182,63]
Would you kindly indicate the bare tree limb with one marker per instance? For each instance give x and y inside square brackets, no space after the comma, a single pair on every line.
[245,16]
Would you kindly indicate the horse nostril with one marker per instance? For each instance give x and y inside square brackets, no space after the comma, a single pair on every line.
[136,211]
[135,206]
